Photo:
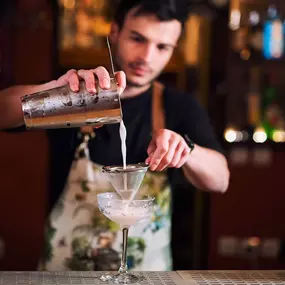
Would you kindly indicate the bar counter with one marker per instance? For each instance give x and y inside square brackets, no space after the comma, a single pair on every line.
[215,277]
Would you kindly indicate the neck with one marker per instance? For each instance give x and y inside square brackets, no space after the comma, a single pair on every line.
[130,92]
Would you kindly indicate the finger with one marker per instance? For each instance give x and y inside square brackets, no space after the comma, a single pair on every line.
[103,77]
[150,150]
[177,154]
[184,157]
[89,78]
[168,157]
[74,82]
[121,80]
[160,151]
[64,79]
[147,161]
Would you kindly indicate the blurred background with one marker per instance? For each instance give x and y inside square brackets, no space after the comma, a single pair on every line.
[231,55]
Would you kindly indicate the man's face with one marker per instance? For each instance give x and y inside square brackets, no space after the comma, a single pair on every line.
[143,47]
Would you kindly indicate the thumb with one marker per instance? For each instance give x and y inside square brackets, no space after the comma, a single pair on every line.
[150,150]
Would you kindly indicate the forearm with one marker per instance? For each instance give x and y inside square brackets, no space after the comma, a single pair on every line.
[11,114]
[207,170]
[10,104]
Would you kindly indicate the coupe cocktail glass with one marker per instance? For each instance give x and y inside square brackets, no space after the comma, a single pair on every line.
[125,214]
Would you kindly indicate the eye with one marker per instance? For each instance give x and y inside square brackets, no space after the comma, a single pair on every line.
[163,48]
[137,39]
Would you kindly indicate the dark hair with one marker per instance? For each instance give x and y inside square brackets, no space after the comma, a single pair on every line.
[164,10]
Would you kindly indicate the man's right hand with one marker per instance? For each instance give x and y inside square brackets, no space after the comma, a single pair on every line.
[72,78]
[11,114]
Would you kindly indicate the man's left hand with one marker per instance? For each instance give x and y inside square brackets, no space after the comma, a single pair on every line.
[167,149]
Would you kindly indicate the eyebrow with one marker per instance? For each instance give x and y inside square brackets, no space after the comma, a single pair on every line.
[143,37]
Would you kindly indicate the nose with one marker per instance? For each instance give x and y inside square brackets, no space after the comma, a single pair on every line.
[147,53]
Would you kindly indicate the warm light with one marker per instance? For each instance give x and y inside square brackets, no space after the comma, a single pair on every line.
[254,18]
[254,241]
[230,135]
[192,39]
[239,137]
[245,54]
[278,136]
[234,23]
[68,4]
[259,135]
[98,4]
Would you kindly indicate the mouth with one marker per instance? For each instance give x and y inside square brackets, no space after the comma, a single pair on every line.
[138,70]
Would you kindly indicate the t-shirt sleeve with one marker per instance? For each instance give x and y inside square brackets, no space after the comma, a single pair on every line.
[196,124]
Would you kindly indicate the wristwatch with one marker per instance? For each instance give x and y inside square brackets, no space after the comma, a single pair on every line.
[189,142]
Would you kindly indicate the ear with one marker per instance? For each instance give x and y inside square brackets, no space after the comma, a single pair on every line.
[114,32]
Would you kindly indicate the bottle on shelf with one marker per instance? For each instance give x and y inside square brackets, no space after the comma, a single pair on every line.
[273,34]
[272,115]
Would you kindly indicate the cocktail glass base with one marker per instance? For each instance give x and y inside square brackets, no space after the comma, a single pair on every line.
[106,277]
[127,278]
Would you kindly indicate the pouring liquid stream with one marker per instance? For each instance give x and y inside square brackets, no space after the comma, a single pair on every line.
[123,136]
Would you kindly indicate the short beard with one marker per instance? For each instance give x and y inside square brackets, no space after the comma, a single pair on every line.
[129,82]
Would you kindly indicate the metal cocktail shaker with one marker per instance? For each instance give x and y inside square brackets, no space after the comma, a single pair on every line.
[62,108]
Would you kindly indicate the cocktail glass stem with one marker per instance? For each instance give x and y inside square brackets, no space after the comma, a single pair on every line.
[124,267]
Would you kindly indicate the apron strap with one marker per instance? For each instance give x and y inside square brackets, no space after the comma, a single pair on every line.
[158,117]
